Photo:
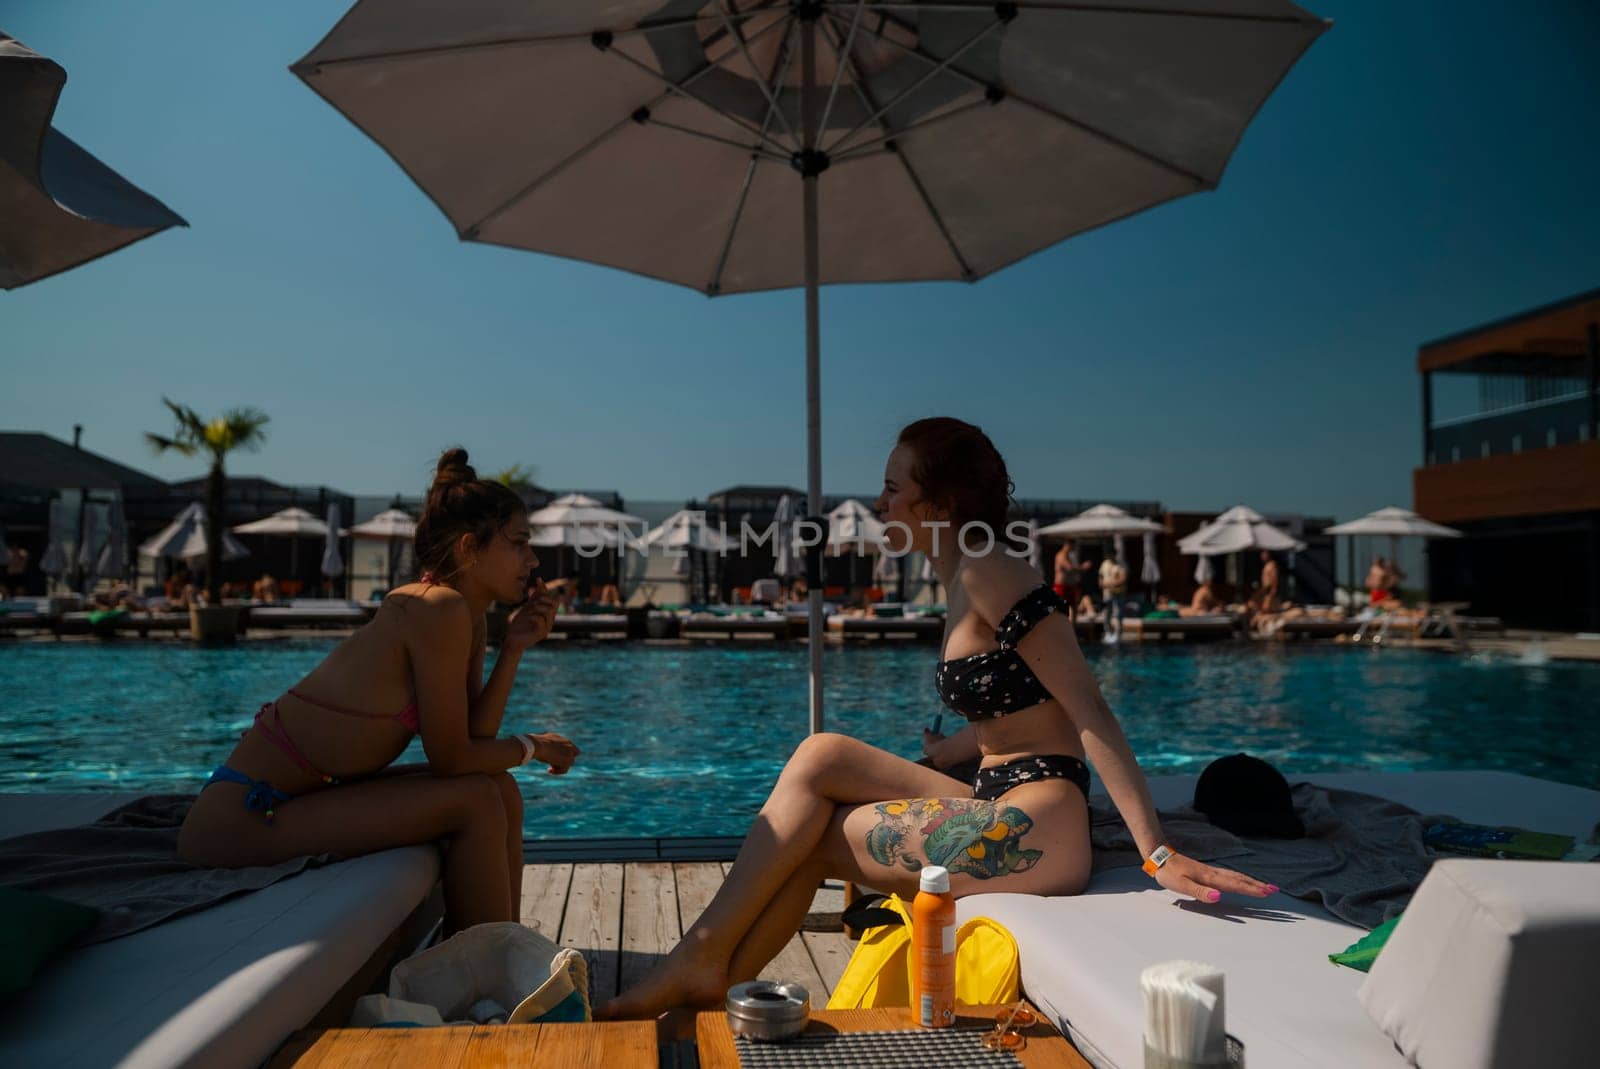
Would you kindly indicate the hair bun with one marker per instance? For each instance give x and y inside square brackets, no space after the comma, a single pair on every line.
[453,469]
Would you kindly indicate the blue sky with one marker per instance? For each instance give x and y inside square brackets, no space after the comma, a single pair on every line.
[1426,167]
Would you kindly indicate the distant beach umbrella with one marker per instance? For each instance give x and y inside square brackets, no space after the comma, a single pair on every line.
[686,529]
[1035,557]
[739,146]
[1101,521]
[1395,522]
[1238,529]
[788,562]
[1202,570]
[185,537]
[1150,570]
[291,523]
[54,562]
[390,523]
[113,560]
[89,538]
[852,524]
[332,562]
[62,206]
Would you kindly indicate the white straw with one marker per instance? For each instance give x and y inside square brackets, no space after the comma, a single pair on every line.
[1183,1011]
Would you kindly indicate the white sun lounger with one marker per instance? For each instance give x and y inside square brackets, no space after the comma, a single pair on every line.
[219,988]
[1081,956]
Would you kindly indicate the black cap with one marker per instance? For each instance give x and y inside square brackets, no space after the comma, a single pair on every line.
[1247,796]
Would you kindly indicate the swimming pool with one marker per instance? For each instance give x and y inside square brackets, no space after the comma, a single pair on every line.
[688,740]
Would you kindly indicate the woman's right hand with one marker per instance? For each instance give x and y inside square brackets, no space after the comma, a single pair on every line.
[557,751]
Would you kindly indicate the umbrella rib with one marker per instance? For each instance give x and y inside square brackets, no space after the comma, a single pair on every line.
[682,90]
[757,150]
[304,67]
[1088,128]
[471,232]
[755,71]
[838,68]
[916,182]
[781,65]
[942,65]
[1103,9]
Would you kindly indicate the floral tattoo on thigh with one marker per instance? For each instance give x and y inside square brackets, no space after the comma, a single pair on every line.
[981,839]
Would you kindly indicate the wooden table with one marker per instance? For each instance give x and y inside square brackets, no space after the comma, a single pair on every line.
[1046,1049]
[607,1045]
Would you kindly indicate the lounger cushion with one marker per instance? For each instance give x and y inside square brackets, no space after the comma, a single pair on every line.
[218,988]
[1489,964]
[1081,956]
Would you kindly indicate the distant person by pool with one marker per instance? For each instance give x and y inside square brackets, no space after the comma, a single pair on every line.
[313,775]
[1269,582]
[1378,580]
[1205,601]
[265,589]
[1069,574]
[1113,584]
[844,809]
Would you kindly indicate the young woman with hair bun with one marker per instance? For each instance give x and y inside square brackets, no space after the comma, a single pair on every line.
[314,773]
[1011,666]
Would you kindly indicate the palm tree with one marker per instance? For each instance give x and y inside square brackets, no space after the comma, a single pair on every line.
[237,428]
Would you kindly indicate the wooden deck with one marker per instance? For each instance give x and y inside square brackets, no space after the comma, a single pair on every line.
[625,916]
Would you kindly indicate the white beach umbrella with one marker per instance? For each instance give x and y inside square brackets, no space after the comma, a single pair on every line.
[1034,556]
[113,558]
[292,523]
[1203,571]
[1238,529]
[1101,521]
[185,537]
[788,562]
[686,529]
[577,511]
[54,562]
[1395,522]
[850,523]
[89,542]
[332,562]
[1150,570]
[390,523]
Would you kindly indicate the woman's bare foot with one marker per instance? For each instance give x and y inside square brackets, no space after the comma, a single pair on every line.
[681,980]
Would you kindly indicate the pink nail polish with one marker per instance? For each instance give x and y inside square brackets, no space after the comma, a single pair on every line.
[1213,896]
[1272,888]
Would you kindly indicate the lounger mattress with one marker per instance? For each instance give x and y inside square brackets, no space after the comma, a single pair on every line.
[1082,956]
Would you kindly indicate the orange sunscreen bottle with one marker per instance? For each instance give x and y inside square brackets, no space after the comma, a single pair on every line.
[933,946]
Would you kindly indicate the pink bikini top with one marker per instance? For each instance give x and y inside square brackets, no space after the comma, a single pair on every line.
[406,717]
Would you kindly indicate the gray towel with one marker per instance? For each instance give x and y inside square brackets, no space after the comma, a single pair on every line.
[1362,856]
[126,865]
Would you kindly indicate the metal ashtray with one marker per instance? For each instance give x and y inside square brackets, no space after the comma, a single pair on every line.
[763,1010]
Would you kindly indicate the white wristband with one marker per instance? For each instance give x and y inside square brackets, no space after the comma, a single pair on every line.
[528,747]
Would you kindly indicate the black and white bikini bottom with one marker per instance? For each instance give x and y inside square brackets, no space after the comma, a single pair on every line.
[990,783]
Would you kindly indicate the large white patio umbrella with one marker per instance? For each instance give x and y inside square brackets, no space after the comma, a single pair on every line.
[786,562]
[581,523]
[850,523]
[291,523]
[1239,529]
[685,532]
[1393,521]
[332,562]
[400,529]
[185,537]
[1101,521]
[742,145]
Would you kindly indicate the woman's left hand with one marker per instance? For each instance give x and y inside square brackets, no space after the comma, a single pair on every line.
[530,622]
[1186,876]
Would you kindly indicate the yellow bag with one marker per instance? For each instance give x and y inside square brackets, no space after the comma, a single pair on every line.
[879,973]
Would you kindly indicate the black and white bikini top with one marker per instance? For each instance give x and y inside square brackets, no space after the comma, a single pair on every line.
[996,682]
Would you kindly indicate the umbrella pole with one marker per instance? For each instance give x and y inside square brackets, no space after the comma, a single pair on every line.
[809,172]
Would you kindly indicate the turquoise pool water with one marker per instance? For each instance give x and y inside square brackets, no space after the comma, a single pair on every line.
[687,741]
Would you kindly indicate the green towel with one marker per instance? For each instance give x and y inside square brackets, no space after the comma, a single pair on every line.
[1364,951]
[100,616]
